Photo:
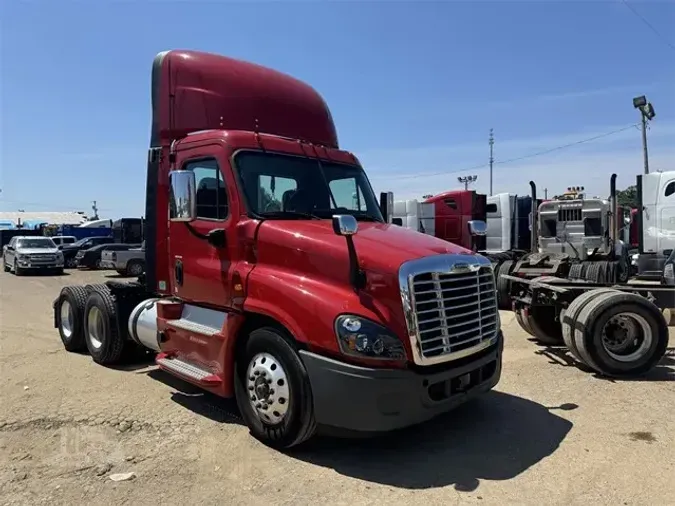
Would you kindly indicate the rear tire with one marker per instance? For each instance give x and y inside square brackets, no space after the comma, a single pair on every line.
[135,268]
[568,320]
[103,341]
[69,311]
[524,322]
[621,334]
[503,285]
[5,267]
[286,422]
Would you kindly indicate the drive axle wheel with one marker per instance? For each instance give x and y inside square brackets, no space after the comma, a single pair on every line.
[103,340]
[273,391]
[621,334]
[69,311]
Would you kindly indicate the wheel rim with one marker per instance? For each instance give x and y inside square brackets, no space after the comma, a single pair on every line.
[626,337]
[70,262]
[135,269]
[268,391]
[98,264]
[66,318]
[95,327]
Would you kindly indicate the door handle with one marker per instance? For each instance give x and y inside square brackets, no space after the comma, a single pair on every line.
[178,271]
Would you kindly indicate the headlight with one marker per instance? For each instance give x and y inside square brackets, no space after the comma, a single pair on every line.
[363,338]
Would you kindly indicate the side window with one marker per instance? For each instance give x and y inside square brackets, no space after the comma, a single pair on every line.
[347,194]
[451,203]
[491,208]
[670,189]
[212,201]
[12,242]
[274,192]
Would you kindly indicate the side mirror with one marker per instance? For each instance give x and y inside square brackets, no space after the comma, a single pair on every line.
[477,227]
[345,224]
[397,221]
[183,196]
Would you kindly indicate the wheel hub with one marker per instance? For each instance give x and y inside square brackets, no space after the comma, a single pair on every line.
[66,318]
[268,391]
[626,337]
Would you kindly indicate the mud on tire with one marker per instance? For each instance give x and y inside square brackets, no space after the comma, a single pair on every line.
[69,315]
[298,423]
[621,334]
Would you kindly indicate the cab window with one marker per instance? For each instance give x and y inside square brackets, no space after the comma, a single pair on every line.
[212,203]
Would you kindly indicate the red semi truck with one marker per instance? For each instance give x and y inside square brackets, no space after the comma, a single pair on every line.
[267,281]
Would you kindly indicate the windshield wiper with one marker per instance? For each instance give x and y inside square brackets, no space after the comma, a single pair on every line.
[288,214]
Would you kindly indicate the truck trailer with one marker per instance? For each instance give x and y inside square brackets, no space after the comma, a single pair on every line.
[267,281]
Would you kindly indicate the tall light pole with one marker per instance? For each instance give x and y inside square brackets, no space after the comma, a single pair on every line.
[491,141]
[646,114]
[467,180]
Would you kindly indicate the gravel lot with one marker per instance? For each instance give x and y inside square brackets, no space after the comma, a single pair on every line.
[551,433]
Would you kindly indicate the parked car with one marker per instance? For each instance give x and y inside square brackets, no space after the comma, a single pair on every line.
[61,240]
[91,258]
[127,263]
[31,253]
[70,250]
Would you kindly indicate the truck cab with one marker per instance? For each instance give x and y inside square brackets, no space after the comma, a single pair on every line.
[455,210]
[656,221]
[272,276]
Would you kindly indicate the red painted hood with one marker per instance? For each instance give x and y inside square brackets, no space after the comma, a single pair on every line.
[302,270]
[381,248]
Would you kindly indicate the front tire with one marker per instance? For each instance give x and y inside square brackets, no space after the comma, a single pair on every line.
[18,271]
[71,263]
[273,391]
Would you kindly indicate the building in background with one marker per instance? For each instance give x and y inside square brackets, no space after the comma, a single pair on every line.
[32,219]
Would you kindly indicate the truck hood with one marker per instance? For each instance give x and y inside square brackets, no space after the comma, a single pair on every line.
[34,251]
[380,247]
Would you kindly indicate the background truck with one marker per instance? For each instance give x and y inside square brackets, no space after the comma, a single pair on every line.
[655,221]
[126,261]
[267,281]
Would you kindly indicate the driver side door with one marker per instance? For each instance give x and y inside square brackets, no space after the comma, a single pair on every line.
[199,270]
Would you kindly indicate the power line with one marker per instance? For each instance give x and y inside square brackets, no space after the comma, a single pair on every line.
[649,25]
[511,160]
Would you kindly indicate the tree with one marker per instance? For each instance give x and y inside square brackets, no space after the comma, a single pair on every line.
[628,197]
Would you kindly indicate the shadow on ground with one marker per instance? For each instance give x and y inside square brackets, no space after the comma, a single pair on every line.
[663,371]
[496,437]
[197,400]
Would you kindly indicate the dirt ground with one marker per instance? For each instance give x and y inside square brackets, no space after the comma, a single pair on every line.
[550,434]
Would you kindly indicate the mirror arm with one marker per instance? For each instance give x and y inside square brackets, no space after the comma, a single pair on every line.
[357,277]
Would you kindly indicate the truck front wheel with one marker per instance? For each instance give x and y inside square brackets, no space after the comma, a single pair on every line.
[273,391]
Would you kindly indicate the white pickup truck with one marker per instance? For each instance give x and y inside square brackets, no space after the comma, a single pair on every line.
[127,263]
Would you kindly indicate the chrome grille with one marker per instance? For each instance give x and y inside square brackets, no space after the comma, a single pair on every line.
[452,310]
[42,257]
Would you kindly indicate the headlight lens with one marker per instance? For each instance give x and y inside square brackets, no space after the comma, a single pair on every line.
[363,338]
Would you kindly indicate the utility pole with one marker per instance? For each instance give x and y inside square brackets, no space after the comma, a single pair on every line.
[467,180]
[646,114]
[95,209]
[491,141]
[545,193]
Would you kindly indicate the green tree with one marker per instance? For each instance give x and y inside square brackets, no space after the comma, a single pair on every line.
[628,197]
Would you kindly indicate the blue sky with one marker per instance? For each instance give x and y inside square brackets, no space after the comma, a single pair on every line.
[414,88]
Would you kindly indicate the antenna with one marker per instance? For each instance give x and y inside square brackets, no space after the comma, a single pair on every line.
[491,142]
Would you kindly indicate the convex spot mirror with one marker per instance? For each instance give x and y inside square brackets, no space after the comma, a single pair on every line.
[477,227]
[183,196]
[345,224]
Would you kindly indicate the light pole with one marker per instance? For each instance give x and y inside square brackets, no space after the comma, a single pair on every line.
[467,180]
[646,114]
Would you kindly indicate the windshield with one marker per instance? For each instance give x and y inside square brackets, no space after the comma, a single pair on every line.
[81,242]
[38,242]
[291,187]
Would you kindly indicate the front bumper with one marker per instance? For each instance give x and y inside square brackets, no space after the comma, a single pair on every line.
[362,399]
[38,265]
